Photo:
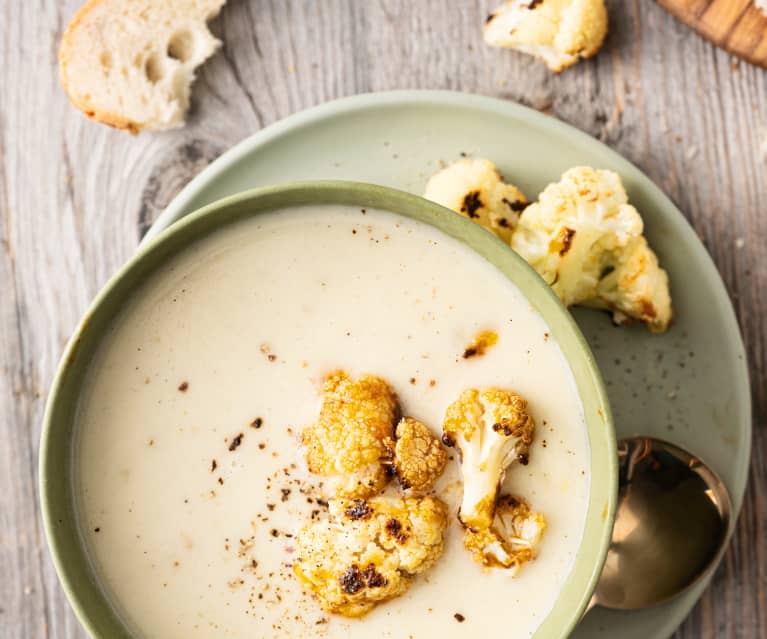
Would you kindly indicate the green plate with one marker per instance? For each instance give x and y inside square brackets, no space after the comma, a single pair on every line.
[689,386]
[57,465]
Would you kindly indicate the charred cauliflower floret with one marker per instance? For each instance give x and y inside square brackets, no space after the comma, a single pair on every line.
[352,437]
[511,540]
[491,429]
[586,241]
[368,551]
[560,32]
[419,457]
[474,188]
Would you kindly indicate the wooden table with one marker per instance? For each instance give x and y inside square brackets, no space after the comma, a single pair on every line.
[75,197]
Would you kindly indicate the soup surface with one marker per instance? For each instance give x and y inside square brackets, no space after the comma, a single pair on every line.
[191,482]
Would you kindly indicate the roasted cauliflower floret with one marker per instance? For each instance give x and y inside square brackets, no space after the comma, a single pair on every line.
[368,551]
[474,188]
[586,241]
[491,429]
[419,457]
[635,286]
[352,437]
[511,540]
[560,32]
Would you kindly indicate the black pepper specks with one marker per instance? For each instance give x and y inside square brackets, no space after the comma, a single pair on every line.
[236,442]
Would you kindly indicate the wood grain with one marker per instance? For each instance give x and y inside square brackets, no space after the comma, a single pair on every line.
[75,197]
[736,25]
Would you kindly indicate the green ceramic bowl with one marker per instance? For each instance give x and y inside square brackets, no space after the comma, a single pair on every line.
[56,450]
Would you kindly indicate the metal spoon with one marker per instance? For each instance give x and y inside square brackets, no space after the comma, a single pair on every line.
[670,527]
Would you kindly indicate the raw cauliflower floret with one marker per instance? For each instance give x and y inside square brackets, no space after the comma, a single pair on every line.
[511,540]
[419,457]
[352,437]
[560,32]
[586,241]
[474,188]
[491,429]
[368,551]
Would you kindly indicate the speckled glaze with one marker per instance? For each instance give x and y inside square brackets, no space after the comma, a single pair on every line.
[688,386]
[56,467]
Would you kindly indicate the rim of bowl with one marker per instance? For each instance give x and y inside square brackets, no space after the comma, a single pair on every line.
[63,533]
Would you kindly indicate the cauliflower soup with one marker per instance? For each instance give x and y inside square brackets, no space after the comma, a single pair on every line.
[191,476]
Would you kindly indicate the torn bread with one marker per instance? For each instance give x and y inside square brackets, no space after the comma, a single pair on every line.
[130,63]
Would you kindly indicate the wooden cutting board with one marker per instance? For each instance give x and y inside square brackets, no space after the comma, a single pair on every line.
[735,25]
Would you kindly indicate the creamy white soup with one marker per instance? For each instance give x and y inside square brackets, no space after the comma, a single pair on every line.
[191,482]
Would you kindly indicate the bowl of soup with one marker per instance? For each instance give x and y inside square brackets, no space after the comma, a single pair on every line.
[173,477]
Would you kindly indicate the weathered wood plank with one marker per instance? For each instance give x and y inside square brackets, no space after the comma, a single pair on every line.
[75,197]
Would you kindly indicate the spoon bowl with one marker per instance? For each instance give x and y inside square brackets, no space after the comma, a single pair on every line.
[670,529]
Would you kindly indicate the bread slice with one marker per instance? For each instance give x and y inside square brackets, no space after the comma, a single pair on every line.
[130,63]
